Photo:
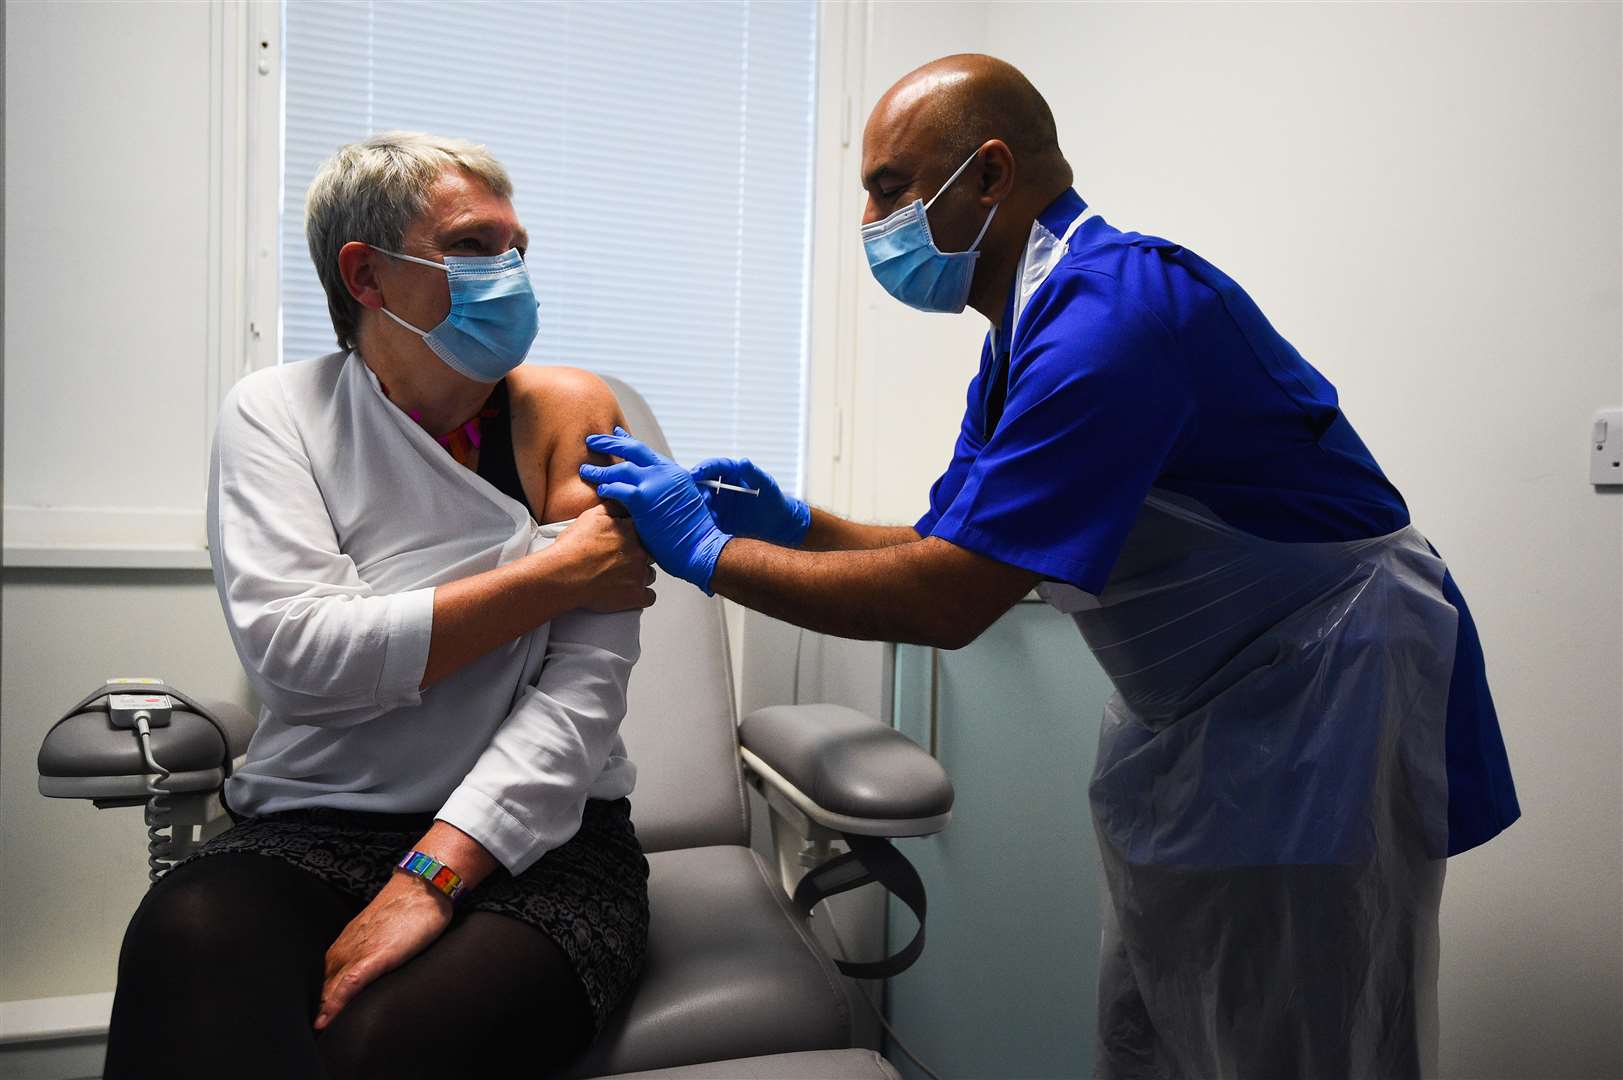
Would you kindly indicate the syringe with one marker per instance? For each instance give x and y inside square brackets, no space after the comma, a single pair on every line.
[719,486]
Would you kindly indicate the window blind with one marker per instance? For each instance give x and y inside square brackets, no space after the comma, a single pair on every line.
[661,156]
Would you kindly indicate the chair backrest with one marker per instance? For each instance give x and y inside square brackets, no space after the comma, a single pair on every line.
[681,728]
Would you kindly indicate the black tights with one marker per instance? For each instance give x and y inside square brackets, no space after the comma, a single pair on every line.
[221,973]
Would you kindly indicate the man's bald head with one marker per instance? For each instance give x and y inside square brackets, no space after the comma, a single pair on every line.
[977,122]
[949,107]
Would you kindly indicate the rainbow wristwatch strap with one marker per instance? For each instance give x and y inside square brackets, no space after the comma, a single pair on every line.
[434,872]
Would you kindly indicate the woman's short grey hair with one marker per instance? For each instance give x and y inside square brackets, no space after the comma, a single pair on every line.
[372,191]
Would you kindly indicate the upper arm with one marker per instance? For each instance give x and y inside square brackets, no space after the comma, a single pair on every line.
[554,409]
[313,637]
[976,590]
[271,532]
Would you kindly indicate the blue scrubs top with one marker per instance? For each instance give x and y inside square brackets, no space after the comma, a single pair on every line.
[1136,364]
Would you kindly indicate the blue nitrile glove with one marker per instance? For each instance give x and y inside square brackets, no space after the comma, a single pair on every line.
[771,515]
[671,516]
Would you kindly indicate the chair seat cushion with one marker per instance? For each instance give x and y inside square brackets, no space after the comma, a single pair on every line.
[819,1065]
[731,972]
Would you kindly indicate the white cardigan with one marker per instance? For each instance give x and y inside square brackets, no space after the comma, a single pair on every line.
[331,517]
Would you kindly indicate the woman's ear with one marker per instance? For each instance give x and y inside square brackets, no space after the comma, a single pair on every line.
[357,265]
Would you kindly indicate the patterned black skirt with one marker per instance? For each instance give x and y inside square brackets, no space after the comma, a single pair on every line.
[590,895]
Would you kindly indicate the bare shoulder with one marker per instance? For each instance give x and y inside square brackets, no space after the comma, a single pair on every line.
[561,397]
[554,408]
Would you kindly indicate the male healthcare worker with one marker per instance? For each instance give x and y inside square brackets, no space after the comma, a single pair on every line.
[1302,729]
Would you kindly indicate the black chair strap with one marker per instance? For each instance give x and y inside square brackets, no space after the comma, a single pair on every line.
[871,859]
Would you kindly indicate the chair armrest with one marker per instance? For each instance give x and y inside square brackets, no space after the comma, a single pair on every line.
[237,722]
[846,771]
[84,757]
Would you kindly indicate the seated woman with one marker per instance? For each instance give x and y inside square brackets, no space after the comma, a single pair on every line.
[433,870]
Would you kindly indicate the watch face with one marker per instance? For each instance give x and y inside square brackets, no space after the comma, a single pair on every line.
[433,871]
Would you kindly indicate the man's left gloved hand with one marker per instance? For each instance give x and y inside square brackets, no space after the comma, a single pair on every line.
[768,515]
[672,518]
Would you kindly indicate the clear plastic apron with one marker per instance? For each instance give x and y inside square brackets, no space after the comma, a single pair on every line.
[1270,799]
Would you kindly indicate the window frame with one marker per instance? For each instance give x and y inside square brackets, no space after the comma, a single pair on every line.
[836,20]
[243,305]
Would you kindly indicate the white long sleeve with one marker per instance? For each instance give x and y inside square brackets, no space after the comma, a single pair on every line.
[318,644]
[528,790]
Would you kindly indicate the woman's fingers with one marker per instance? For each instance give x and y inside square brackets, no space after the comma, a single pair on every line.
[341,987]
[622,569]
[399,923]
[630,542]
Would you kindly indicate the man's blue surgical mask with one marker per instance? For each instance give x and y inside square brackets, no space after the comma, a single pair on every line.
[904,259]
[493,319]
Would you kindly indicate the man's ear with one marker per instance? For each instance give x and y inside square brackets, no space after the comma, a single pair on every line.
[357,265]
[996,172]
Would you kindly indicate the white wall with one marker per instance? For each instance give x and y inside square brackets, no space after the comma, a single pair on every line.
[887,382]
[102,279]
[112,324]
[1427,200]
[127,277]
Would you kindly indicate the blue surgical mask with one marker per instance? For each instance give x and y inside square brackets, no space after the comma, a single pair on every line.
[904,259]
[493,319]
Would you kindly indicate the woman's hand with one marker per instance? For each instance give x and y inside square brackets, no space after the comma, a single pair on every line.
[400,922]
[605,561]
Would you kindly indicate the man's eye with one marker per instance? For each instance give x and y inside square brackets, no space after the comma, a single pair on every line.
[891,194]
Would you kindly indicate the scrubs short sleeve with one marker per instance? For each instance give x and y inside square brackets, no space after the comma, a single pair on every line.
[1097,406]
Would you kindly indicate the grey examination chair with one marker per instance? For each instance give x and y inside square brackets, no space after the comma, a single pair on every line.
[735,986]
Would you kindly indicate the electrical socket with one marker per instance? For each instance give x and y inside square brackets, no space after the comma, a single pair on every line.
[1606,448]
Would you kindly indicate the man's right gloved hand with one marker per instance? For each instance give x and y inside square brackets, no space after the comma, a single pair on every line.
[771,515]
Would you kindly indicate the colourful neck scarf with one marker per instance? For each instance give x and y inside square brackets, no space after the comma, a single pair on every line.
[461,441]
